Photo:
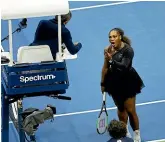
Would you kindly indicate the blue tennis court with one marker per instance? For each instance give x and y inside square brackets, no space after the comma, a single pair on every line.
[143,22]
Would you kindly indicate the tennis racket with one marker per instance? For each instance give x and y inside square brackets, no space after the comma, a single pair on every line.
[102,120]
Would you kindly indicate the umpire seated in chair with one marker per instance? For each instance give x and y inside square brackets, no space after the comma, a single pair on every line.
[47,34]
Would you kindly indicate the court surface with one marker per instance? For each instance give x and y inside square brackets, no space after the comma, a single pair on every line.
[144,23]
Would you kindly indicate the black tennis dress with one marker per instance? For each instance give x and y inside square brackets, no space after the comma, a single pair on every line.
[122,81]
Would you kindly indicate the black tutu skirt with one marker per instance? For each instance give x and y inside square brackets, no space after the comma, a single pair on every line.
[123,84]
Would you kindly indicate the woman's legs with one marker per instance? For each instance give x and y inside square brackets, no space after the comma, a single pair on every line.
[123,116]
[130,107]
[127,109]
[122,113]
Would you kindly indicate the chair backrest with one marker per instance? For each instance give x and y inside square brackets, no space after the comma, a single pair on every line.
[34,54]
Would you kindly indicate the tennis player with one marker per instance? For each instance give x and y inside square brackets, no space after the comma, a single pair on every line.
[121,80]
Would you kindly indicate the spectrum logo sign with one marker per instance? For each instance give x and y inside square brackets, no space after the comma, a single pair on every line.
[36,78]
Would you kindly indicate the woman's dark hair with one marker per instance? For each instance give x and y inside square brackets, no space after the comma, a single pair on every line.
[123,37]
[117,129]
[64,17]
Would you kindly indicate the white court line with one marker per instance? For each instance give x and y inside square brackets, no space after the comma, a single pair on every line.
[112,108]
[97,110]
[161,140]
[103,5]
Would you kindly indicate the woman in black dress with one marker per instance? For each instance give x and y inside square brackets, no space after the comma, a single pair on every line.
[120,79]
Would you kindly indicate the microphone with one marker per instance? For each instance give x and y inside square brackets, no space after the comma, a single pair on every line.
[23,23]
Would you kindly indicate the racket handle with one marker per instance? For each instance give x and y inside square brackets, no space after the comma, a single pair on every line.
[104,96]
